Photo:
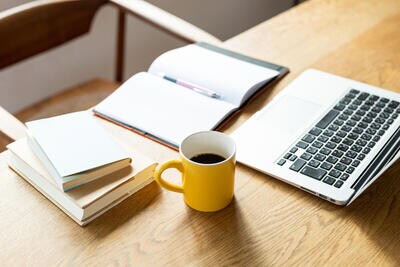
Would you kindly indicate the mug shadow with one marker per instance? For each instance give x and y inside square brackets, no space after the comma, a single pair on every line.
[222,231]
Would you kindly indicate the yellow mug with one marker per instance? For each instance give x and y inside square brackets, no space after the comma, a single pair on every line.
[205,186]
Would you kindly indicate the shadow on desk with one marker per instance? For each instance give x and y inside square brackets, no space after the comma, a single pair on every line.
[125,211]
[377,213]
[230,231]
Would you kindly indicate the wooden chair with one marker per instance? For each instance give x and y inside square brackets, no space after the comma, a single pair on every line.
[36,27]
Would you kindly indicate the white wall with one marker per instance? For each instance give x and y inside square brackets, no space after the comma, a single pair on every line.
[93,55]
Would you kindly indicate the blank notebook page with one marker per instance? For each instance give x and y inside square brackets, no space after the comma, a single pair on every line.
[229,77]
[162,108]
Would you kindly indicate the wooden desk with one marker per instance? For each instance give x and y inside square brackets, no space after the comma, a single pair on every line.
[269,222]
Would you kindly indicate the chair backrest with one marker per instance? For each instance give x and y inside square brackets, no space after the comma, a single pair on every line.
[37,26]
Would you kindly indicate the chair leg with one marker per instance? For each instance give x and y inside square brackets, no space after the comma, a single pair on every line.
[120,53]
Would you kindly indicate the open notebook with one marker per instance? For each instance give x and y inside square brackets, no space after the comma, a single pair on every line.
[189,89]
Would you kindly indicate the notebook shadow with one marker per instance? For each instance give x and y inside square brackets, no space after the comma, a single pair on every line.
[125,211]
[216,233]
[376,213]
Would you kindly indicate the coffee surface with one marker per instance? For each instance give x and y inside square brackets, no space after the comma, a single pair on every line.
[207,158]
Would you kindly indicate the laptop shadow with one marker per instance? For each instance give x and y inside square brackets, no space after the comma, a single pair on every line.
[376,214]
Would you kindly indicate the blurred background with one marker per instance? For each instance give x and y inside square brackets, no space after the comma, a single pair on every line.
[94,55]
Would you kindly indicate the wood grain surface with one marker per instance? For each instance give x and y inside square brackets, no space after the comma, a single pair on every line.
[269,223]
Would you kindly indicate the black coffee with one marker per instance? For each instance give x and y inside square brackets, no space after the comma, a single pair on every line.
[207,158]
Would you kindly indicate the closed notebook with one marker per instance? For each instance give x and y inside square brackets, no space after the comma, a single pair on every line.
[75,149]
[89,201]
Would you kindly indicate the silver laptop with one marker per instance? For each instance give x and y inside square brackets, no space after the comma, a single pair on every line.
[328,135]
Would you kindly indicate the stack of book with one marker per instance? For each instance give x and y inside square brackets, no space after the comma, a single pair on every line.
[77,165]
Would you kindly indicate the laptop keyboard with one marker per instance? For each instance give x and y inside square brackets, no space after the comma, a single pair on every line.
[339,142]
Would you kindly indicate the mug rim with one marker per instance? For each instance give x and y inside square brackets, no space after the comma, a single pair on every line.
[208,164]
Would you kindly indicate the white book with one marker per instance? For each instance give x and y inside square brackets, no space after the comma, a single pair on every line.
[189,89]
[75,149]
[89,201]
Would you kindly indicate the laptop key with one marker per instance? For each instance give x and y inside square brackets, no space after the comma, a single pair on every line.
[313,173]
[355,163]
[327,166]
[317,144]
[328,133]
[384,115]
[363,96]
[337,153]
[371,144]
[333,127]
[338,122]
[381,132]
[361,156]
[287,156]
[306,156]
[351,154]
[312,150]
[340,167]
[325,151]
[330,145]
[293,158]
[302,145]
[326,120]
[376,138]
[350,170]
[293,150]
[323,138]
[329,180]
[373,97]
[332,159]
[348,142]
[308,138]
[337,139]
[343,147]
[356,148]
[338,184]
[297,165]
[314,163]
[281,162]
[341,134]
[344,176]
[340,107]
[361,142]
[319,157]
[315,131]
[360,112]
[353,136]
[348,112]
[346,128]
[393,104]
[366,150]
[345,160]
[335,173]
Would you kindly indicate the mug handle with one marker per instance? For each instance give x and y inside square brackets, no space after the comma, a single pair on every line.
[176,164]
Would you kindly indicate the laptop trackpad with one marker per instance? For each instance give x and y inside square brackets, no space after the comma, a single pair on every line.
[289,115]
